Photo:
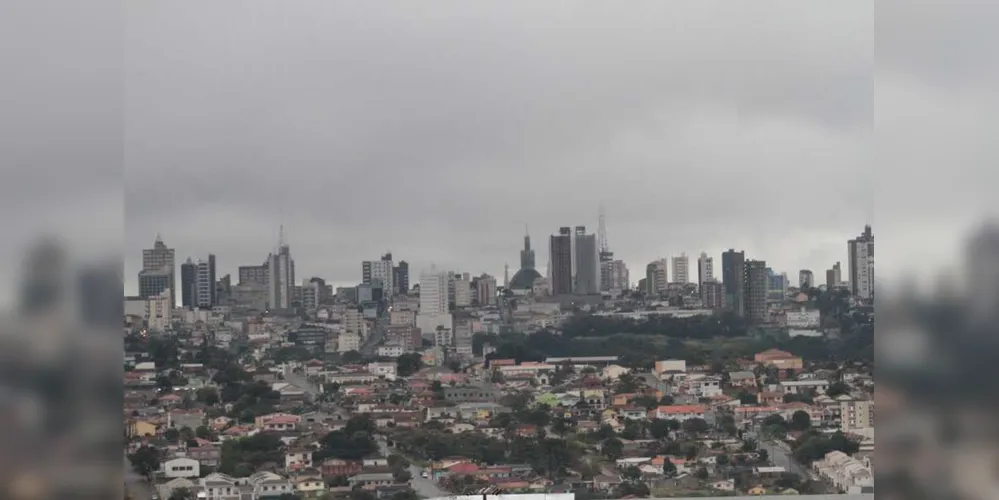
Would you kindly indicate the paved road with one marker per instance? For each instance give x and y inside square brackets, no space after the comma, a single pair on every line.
[424,487]
[780,455]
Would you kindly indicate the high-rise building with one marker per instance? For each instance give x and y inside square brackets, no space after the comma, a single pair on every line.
[434,312]
[560,253]
[755,294]
[379,271]
[712,294]
[281,277]
[681,269]
[777,285]
[733,280]
[614,277]
[254,274]
[806,279]
[153,282]
[587,263]
[400,277]
[485,290]
[656,278]
[705,269]
[205,283]
[313,290]
[462,291]
[861,250]
[188,285]
[161,259]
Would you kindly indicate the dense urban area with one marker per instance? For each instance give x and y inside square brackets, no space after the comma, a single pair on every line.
[578,382]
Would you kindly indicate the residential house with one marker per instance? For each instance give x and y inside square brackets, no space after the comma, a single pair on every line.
[742,379]
[180,467]
[297,459]
[268,484]
[218,486]
[371,481]
[208,455]
[781,359]
[679,412]
[333,467]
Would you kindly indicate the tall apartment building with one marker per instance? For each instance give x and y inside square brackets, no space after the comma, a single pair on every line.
[777,285]
[712,294]
[681,269]
[656,278]
[379,271]
[280,279]
[434,311]
[160,259]
[756,286]
[462,291]
[254,274]
[313,292]
[806,279]
[614,277]
[705,269]
[485,290]
[188,285]
[400,277]
[861,250]
[560,254]
[587,263]
[733,279]
[205,286]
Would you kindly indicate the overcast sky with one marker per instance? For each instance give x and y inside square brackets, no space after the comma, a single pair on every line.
[438,130]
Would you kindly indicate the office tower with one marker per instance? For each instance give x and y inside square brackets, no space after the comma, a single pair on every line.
[587,263]
[205,283]
[861,251]
[681,267]
[400,276]
[805,279]
[527,254]
[755,293]
[254,274]
[188,285]
[525,277]
[160,259]
[485,290]
[43,282]
[656,278]
[981,273]
[712,294]
[837,269]
[705,269]
[614,277]
[281,277]
[152,283]
[733,280]
[560,253]
[830,279]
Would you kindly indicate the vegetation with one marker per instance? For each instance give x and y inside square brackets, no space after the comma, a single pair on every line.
[813,446]
[355,441]
[145,461]
[241,457]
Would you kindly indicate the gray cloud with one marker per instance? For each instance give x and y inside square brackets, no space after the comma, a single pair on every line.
[438,130]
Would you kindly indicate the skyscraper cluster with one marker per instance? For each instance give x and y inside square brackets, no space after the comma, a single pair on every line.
[575,262]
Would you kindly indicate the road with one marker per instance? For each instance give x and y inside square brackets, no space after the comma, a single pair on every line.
[136,484]
[424,487]
[780,455]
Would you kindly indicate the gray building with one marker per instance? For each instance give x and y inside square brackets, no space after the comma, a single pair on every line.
[153,282]
[254,274]
[587,263]
[733,280]
[755,293]
[160,259]
[205,297]
[561,262]
[188,285]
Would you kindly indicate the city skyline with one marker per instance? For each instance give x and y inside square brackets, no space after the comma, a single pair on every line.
[357,276]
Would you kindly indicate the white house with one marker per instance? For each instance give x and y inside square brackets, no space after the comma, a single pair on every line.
[181,467]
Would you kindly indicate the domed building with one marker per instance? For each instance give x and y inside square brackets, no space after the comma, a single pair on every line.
[524,278]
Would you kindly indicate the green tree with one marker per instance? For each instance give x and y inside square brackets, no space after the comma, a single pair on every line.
[669,468]
[171,435]
[612,448]
[701,473]
[408,364]
[800,421]
[632,474]
[182,494]
[145,461]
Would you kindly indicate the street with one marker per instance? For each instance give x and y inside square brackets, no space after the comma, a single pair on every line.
[780,455]
[425,488]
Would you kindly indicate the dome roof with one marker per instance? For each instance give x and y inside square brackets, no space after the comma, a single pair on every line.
[524,278]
